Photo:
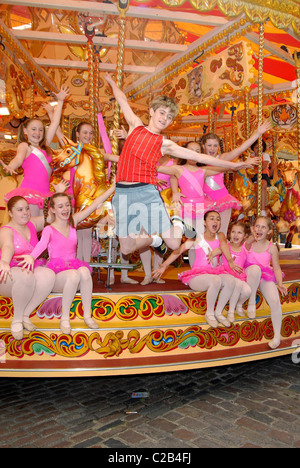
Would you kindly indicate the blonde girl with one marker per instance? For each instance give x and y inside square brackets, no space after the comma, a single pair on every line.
[35,157]
[262,253]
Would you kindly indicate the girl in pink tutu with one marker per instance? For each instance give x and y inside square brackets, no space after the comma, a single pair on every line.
[35,157]
[206,275]
[61,241]
[261,253]
[242,291]
[214,188]
[191,200]
[26,288]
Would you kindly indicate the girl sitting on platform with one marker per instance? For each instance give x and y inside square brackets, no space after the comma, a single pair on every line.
[207,276]
[61,241]
[261,253]
[242,291]
[26,288]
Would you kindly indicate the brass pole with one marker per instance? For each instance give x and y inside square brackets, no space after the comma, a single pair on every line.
[247,121]
[91,83]
[122,7]
[260,111]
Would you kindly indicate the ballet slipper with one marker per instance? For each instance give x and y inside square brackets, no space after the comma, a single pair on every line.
[251,311]
[91,323]
[223,320]
[17,330]
[128,280]
[210,319]
[240,311]
[273,344]
[28,325]
[159,281]
[65,326]
[111,280]
[230,317]
[147,280]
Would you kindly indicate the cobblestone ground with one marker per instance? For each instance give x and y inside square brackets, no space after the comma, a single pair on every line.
[249,405]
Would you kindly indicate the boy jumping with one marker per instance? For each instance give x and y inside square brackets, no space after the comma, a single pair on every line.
[139,210]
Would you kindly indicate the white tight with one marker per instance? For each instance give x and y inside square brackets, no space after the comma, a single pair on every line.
[27,290]
[270,292]
[213,285]
[240,294]
[146,258]
[68,282]
[253,278]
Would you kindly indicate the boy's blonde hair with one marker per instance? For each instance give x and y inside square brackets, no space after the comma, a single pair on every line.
[165,101]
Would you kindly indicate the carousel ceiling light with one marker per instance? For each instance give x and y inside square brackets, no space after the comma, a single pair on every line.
[4,111]
[22,27]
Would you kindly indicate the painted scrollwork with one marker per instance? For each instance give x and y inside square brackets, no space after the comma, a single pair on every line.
[113,344]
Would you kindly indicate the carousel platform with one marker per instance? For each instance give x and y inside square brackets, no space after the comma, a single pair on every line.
[145,329]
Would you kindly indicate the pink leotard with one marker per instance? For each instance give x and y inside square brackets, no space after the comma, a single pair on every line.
[201,266]
[239,259]
[191,185]
[263,260]
[24,247]
[35,184]
[217,194]
[61,250]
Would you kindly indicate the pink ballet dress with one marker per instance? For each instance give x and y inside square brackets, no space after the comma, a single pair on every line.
[191,185]
[24,247]
[239,259]
[217,196]
[263,260]
[201,265]
[35,184]
[61,250]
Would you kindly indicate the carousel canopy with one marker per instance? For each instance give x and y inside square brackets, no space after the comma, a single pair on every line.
[204,54]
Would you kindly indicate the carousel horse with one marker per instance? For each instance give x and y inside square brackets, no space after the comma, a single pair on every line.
[243,189]
[289,221]
[88,181]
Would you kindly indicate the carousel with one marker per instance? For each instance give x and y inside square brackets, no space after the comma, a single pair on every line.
[229,65]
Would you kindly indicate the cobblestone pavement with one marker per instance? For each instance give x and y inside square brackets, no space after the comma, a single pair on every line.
[255,404]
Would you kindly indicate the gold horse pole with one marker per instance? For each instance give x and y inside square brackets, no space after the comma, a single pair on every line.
[260,111]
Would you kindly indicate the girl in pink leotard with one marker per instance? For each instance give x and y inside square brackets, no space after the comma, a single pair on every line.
[190,179]
[27,289]
[215,190]
[34,155]
[61,241]
[207,275]
[261,253]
